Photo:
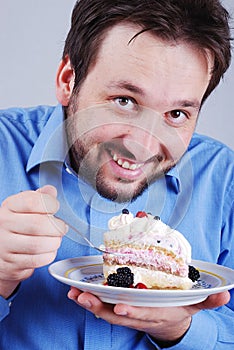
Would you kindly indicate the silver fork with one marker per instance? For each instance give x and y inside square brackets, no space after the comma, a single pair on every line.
[86,239]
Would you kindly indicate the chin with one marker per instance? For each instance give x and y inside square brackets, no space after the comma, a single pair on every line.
[123,191]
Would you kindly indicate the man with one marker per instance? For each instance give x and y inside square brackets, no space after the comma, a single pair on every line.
[130,87]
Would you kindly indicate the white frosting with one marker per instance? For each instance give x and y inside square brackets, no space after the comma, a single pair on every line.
[152,278]
[146,232]
[120,220]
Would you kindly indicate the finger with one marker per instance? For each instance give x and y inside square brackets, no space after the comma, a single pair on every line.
[48,189]
[95,305]
[106,312]
[73,293]
[103,310]
[149,314]
[31,202]
[32,224]
[19,262]
[99,309]
[214,301]
[91,303]
[23,244]
[145,314]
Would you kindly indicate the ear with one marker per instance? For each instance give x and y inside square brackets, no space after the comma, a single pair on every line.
[65,78]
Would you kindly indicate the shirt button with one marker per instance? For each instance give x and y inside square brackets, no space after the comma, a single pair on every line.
[68,171]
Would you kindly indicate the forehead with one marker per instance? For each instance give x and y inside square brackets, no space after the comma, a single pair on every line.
[148,61]
[130,36]
[125,43]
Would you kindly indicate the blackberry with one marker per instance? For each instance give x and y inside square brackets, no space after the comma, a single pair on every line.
[123,278]
[194,274]
[124,270]
[112,280]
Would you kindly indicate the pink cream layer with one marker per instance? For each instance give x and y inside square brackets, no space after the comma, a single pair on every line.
[156,260]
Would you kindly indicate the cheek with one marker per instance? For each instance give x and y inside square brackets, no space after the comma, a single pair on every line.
[185,138]
[107,133]
[188,132]
[176,143]
[100,134]
[96,136]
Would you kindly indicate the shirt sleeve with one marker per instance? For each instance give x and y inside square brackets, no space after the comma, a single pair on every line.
[4,308]
[212,329]
[208,328]
[5,304]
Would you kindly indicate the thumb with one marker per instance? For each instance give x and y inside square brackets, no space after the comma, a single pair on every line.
[48,189]
[215,300]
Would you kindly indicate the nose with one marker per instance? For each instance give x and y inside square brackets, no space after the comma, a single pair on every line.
[151,136]
[141,143]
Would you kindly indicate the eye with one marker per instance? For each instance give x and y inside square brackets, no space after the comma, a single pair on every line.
[176,117]
[125,103]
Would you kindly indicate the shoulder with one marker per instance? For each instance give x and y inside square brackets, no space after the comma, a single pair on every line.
[23,125]
[206,149]
[24,117]
[213,164]
[207,141]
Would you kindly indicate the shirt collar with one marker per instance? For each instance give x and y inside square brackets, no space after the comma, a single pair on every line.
[182,174]
[51,144]
[174,178]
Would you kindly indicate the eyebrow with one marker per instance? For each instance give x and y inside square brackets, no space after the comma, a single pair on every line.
[189,103]
[125,85]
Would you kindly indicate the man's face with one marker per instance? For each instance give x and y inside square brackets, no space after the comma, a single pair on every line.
[136,111]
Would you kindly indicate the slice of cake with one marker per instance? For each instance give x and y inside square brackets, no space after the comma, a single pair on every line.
[157,255]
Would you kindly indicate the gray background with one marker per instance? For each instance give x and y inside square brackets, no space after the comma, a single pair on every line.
[32,34]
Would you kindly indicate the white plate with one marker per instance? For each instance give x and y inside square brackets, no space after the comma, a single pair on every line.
[85,273]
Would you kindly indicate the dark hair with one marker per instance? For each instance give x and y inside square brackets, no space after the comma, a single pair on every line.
[203,23]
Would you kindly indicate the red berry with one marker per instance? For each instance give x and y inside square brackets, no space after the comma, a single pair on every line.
[141,214]
[140,286]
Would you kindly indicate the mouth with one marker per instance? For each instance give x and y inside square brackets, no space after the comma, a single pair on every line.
[126,164]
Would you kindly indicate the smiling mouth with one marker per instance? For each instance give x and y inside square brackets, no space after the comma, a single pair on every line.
[125,164]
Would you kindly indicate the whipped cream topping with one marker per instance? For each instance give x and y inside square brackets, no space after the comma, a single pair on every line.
[120,220]
[146,232]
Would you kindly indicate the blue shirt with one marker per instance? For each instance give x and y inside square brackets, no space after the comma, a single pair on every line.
[196,197]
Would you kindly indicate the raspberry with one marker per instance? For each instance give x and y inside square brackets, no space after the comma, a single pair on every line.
[141,214]
[193,274]
[140,286]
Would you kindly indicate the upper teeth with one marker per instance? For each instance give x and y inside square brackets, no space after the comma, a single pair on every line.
[125,164]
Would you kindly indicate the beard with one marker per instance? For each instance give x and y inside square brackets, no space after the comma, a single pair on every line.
[86,155]
[121,190]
